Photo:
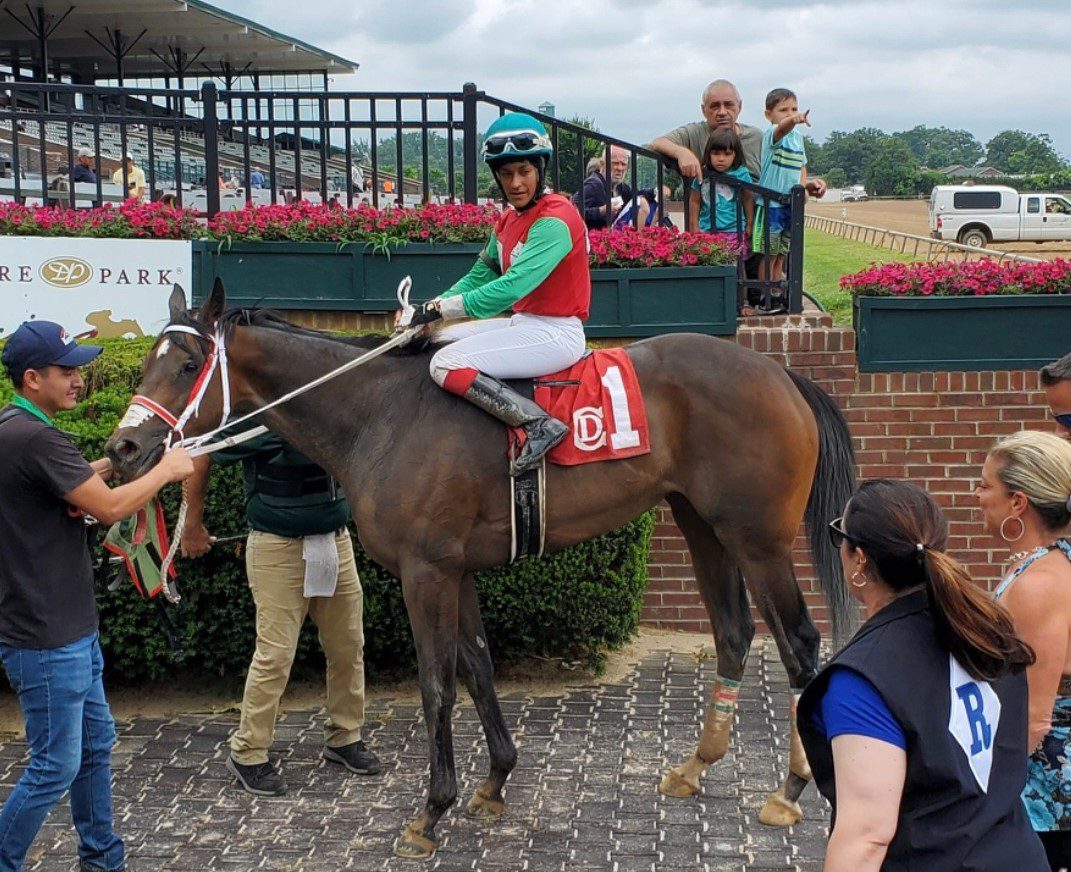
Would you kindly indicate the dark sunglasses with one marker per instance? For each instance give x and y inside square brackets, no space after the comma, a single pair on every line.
[837,533]
[1063,420]
[517,142]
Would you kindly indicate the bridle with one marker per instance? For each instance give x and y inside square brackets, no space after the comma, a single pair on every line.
[142,408]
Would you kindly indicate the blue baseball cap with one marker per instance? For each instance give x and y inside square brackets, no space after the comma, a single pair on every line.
[43,343]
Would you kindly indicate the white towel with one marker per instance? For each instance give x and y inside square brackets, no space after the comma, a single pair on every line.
[321,564]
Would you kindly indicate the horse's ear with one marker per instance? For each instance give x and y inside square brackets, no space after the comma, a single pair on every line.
[177,303]
[212,308]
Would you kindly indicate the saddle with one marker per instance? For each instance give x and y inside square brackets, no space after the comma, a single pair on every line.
[599,397]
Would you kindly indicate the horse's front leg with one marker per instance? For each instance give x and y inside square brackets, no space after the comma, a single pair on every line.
[475,666]
[431,598]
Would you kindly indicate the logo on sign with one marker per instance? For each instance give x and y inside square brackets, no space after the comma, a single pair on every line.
[589,434]
[973,720]
[66,272]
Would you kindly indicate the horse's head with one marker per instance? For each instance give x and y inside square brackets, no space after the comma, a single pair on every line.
[180,394]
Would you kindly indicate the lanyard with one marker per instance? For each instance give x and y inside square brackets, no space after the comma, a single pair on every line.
[26,405]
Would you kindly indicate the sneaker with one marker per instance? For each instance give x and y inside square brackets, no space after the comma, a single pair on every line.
[260,779]
[776,307]
[356,757]
[86,866]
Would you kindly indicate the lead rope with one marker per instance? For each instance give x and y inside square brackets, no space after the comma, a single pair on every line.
[199,445]
[169,588]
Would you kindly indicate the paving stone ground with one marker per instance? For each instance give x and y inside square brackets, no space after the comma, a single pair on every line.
[583,796]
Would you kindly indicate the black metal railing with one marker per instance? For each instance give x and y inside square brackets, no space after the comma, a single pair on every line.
[375,147]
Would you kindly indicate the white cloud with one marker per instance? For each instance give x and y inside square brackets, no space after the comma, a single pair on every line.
[638,67]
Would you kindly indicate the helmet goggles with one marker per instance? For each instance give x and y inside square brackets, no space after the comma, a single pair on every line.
[522,143]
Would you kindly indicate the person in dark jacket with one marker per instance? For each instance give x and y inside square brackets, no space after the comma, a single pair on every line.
[83,168]
[592,201]
[916,729]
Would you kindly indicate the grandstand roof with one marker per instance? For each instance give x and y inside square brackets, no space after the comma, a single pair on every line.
[220,40]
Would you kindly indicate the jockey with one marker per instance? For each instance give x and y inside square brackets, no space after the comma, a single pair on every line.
[536,263]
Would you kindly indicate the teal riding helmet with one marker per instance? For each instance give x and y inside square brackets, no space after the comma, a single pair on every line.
[518,136]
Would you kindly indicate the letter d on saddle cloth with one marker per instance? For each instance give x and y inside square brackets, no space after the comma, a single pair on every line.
[599,397]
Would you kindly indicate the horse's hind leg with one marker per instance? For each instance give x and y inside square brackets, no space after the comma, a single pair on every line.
[475,667]
[773,587]
[431,598]
[725,598]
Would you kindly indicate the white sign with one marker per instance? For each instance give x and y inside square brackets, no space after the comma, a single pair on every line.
[117,287]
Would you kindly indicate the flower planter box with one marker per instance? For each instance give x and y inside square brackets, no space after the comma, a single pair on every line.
[647,302]
[913,334]
[326,277]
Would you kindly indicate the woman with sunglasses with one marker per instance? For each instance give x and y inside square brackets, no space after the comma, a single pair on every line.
[1025,498]
[536,263]
[916,729]
[1056,382]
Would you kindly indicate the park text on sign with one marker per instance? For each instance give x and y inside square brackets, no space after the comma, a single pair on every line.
[115,287]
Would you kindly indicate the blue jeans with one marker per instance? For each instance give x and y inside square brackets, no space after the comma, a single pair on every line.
[70,732]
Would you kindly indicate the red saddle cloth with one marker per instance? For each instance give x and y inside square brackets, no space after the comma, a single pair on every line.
[599,398]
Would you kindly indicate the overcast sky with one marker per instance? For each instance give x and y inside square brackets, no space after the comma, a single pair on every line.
[637,67]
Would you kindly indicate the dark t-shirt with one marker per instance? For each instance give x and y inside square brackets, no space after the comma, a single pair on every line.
[46,577]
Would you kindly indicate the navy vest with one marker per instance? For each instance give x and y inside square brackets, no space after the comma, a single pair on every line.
[966,748]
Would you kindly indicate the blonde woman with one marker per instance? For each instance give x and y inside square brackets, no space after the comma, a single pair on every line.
[1025,498]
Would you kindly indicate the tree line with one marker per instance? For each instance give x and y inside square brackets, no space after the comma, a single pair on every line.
[909,162]
[906,163]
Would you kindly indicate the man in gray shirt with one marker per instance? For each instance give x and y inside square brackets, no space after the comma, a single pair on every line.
[720,107]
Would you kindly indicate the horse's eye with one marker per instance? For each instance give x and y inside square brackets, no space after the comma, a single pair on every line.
[190,366]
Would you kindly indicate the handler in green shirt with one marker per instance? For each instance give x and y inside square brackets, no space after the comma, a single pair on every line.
[299,561]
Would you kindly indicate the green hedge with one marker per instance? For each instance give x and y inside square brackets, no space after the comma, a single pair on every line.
[573,604]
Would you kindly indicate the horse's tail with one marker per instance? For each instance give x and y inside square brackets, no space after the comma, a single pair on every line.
[833,485]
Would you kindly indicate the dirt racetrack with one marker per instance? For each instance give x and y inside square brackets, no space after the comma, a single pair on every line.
[910,216]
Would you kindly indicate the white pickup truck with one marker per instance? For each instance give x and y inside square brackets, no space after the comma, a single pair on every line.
[979,214]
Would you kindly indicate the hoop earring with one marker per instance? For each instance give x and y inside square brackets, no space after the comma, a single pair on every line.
[1005,536]
[862,583]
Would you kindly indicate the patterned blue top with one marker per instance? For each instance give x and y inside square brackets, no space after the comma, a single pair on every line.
[725,215]
[782,162]
[1047,795]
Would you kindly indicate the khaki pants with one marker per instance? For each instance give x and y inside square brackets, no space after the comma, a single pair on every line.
[276,574]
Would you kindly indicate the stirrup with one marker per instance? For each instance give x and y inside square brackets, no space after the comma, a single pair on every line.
[528,458]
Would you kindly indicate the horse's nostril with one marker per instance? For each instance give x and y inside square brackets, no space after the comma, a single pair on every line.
[126,450]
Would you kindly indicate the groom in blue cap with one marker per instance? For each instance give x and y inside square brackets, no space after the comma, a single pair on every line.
[48,614]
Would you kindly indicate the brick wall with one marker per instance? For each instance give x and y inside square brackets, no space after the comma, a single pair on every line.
[931,428]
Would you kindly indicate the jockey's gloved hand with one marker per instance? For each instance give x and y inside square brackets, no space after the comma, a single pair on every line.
[426,314]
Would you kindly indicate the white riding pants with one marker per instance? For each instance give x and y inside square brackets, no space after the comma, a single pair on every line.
[522,346]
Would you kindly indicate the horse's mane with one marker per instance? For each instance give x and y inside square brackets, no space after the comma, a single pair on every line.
[273,320]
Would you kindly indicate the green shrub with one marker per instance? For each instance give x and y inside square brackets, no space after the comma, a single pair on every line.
[572,604]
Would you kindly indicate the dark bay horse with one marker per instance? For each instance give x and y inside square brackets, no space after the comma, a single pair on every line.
[741,449]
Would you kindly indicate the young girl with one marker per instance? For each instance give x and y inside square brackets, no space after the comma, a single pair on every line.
[734,208]
[723,155]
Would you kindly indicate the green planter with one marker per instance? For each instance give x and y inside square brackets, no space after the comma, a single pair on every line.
[647,302]
[915,334]
[323,276]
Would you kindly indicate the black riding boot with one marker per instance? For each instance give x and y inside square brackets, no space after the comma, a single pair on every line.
[542,431]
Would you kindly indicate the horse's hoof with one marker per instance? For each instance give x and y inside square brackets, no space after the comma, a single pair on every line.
[779,812]
[414,846]
[483,808]
[678,785]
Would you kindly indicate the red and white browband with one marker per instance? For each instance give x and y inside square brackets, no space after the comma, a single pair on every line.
[142,408]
